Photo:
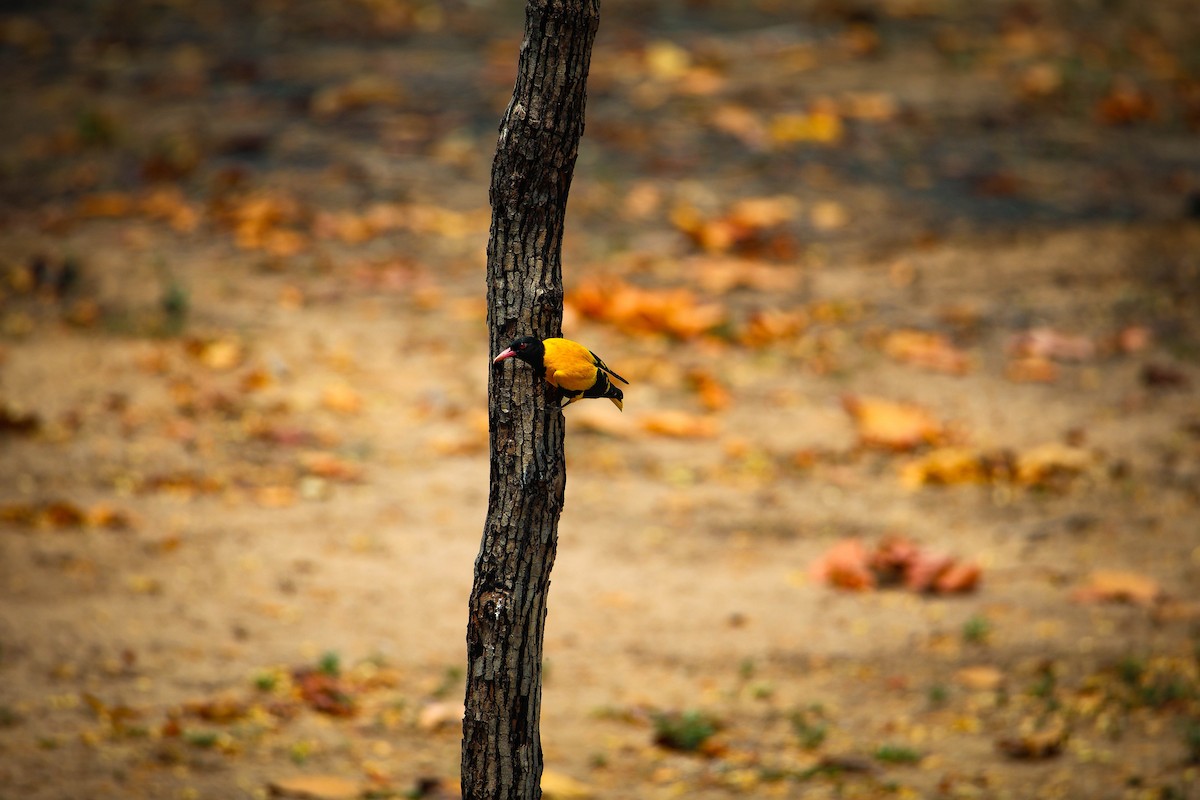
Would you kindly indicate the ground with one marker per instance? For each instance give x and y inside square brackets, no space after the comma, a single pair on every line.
[921,276]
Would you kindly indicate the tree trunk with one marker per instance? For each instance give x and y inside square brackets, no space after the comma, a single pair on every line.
[531,177]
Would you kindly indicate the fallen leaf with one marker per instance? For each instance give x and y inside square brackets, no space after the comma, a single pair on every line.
[1162,376]
[324,692]
[143,584]
[275,496]
[342,398]
[316,787]
[1119,586]
[359,92]
[557,786]
[709,389]
[889,425]
[944,466]
[846,565]
[678,424]
[18,421]
[220,354]
[820,126]
[1036,741]
[675,312]
[742,123]
[1125,103]
[439,715]
[1031,369]
[106,204]
[958,578]
[1051,344]
[327,465]
[829,215]
[104,515]
[931,351]
[896,560]
[765,327]
[222,709]
[980,678]
[1052,462]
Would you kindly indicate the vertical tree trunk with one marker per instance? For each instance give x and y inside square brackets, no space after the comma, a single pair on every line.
[531,176]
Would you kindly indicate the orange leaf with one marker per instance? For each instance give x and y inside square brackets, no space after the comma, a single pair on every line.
[1119,586]
[846,565]
[931,351]
[341,398]
[890,425]
[679,425]
[944,466]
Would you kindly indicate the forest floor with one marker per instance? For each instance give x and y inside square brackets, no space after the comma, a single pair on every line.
[905,499]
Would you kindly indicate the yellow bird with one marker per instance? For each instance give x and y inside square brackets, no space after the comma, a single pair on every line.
[568,366]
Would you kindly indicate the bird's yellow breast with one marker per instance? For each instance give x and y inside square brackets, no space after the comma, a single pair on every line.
[569,365]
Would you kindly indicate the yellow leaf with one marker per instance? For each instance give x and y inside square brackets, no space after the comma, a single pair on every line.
[820,126]
[944,466]
[1050,461]
[556,786]
[666,60]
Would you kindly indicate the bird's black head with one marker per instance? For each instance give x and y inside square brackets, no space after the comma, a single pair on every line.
[528,349]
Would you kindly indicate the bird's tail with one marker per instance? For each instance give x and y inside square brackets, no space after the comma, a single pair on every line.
[604,388]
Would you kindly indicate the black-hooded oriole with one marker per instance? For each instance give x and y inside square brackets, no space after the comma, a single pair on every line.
[568,366]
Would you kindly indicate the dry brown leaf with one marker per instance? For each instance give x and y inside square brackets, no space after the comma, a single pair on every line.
[890,425]
[18,421]
[1119,586]
[106,204]
[1036,740]
[1125,103]
[931,351]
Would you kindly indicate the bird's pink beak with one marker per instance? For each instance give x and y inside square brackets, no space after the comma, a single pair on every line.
[506,354]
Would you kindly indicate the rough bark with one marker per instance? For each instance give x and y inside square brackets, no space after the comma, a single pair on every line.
[531,177]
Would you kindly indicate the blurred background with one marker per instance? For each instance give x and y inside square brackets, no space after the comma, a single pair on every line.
[905,500]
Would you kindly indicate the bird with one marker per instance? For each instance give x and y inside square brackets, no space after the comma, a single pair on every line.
[569,367]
